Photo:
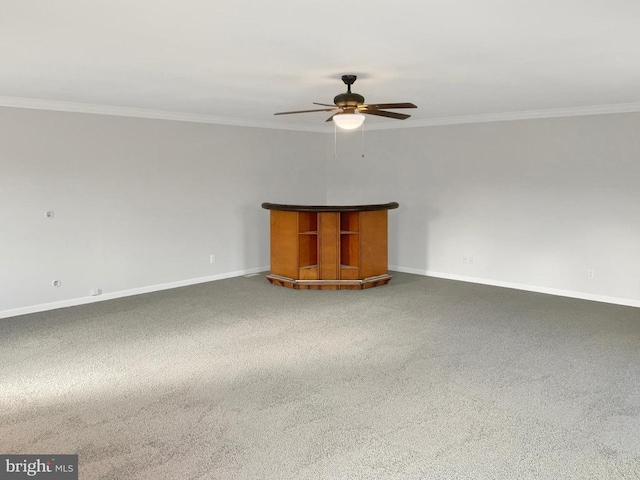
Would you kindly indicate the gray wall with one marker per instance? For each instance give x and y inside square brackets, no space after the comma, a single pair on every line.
[139,202]
[536,203]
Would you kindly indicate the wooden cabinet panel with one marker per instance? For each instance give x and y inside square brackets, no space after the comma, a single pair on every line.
[373,243]
[284,243]
[329,254]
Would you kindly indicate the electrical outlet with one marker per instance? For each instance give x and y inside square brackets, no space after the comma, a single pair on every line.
[465,259]
[212,258]
[470,260]
[589,273]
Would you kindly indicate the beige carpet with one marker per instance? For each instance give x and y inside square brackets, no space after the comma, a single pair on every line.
[239,379]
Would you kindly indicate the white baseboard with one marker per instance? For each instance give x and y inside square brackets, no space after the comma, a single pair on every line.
[193,281]
[43,307]
[518,286]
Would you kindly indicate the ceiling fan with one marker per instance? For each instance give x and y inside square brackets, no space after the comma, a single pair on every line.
[349,108]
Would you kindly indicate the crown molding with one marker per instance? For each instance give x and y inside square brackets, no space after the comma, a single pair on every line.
[510,116]
[38,104]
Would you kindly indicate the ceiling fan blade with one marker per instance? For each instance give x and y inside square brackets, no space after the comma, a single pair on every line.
[378,106]
[306,111]
[382,113]
[331,117]
[324,104]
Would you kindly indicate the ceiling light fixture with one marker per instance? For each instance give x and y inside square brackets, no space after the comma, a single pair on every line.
[348,121]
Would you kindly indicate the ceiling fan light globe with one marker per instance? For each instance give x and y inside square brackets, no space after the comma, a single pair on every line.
[348,121]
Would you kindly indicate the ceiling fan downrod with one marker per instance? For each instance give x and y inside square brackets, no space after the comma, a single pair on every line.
[349,80]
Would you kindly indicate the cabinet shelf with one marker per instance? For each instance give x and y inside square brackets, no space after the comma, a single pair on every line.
[307,250]
[307,222]
[347,232]
[349,222]
[309,233]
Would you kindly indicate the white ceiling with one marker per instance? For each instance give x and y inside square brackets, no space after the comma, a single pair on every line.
[240,61]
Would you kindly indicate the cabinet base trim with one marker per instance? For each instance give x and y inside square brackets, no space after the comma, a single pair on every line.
[329,284]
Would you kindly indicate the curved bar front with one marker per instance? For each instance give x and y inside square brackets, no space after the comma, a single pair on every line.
[334,208]
[329,247]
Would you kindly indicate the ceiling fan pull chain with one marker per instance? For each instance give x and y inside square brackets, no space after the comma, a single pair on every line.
[335,141]
[362,139]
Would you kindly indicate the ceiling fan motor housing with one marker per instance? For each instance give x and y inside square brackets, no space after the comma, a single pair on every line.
[348,100]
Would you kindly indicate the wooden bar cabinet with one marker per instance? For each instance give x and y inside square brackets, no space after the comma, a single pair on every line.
[329,247]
